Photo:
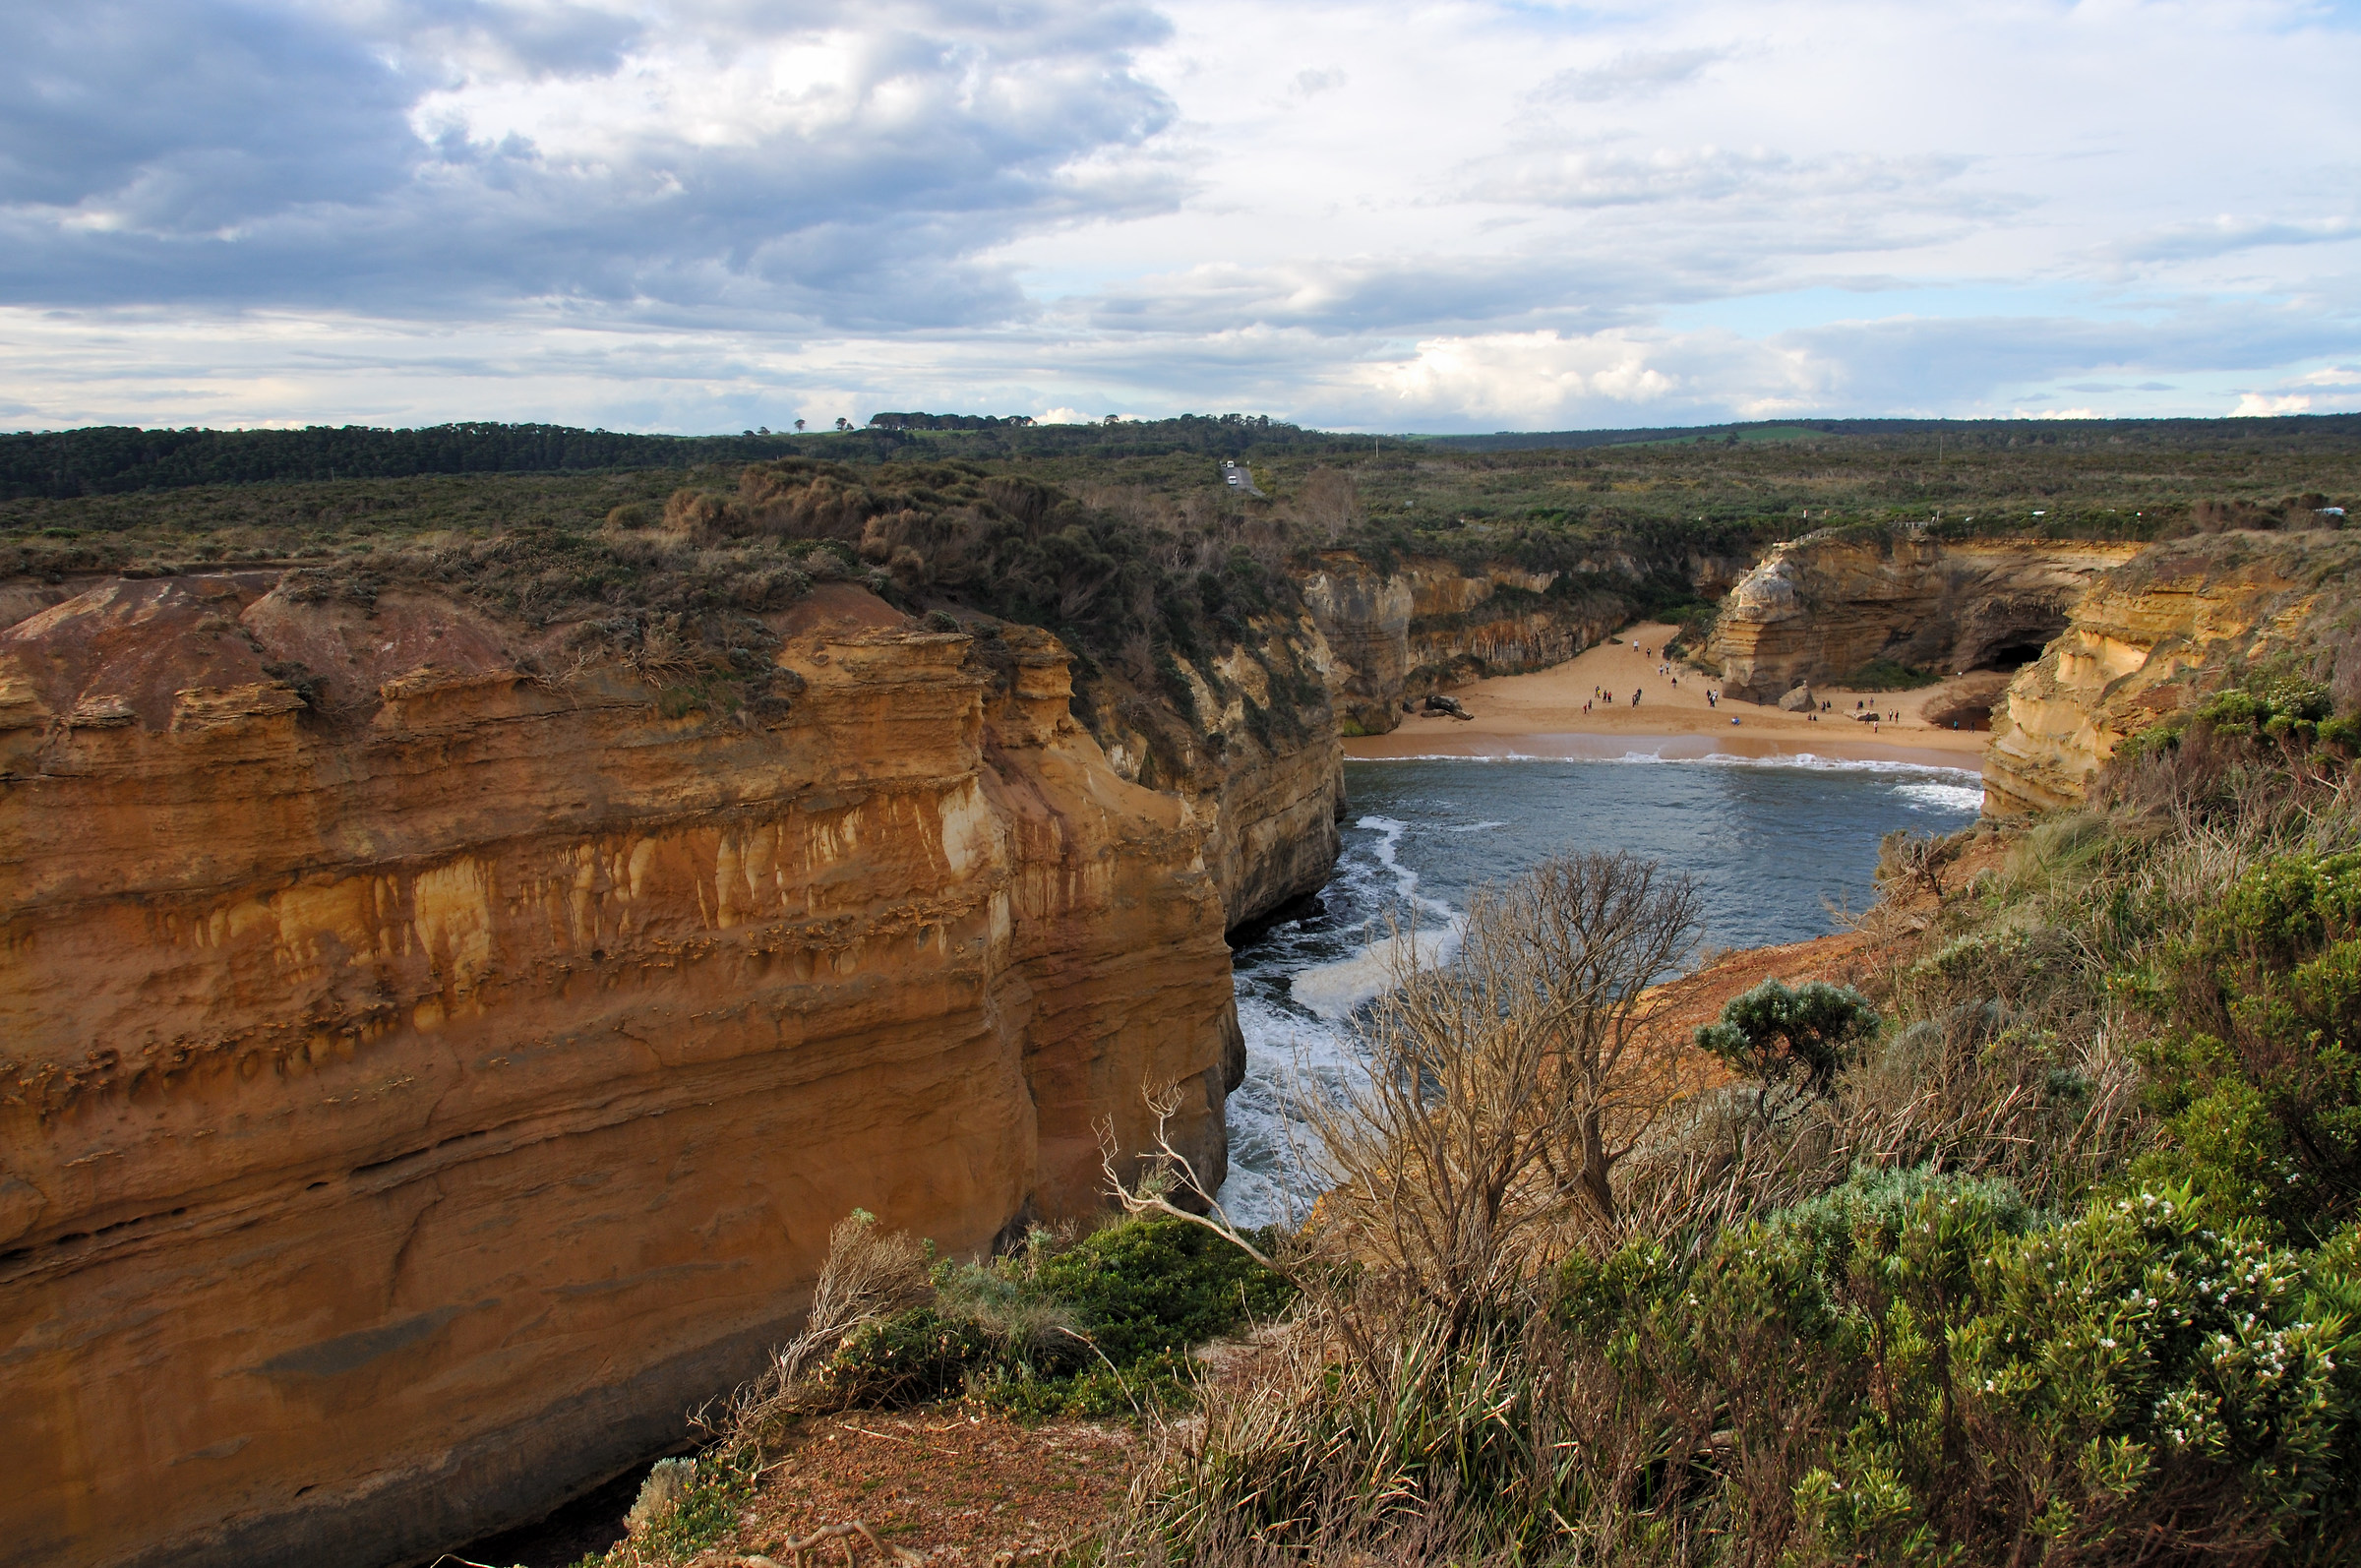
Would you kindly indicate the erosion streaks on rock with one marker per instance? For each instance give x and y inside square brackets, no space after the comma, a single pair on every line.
[424,1080]
[1820,608]
[2152,637]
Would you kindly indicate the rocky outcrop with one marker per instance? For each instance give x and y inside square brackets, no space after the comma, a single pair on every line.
[2152,637]
[1364,618]
[1820,608]
[423,1079]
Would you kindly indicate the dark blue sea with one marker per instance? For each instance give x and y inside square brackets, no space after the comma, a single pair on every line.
[1781,846]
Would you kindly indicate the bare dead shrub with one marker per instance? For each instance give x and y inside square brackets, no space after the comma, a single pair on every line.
[869,1275]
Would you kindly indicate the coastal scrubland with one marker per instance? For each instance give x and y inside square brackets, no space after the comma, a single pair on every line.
[2026,1234]
[1125,540]
[75,500]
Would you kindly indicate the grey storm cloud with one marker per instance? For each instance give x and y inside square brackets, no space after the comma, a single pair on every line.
[243,153]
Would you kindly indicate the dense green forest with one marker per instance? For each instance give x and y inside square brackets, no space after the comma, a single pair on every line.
[113,459]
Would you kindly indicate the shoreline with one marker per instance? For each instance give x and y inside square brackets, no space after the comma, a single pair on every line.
[1579,746]
[1558,715]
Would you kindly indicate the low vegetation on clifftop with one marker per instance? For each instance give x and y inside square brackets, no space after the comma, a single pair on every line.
[2019,1228]
[2030,1233]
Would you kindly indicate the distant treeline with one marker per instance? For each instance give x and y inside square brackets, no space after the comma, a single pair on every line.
[110,459]
[113,459]
[950,421]
[2337,429]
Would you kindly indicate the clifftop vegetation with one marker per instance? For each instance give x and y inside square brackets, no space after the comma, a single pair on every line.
[1640,519]
[2039,1242]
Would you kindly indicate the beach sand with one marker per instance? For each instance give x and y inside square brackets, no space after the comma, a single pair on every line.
[1542,715]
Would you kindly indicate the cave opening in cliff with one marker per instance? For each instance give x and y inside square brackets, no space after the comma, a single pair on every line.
[2012,656]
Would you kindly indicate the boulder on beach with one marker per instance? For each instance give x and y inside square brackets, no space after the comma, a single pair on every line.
[1799,700]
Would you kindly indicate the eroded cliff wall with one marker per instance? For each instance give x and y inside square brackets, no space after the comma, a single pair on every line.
[1820,608]
[1251,742]
[2153,635]
[1427,625]
[422,1082]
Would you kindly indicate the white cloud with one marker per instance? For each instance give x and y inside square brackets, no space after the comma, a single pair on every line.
[2254,405]
[1630,75]
[708,213]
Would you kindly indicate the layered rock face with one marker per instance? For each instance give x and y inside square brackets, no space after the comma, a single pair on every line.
[1429,625]
[1820,608]
[1258,760]
[2152,637]
[422,1082]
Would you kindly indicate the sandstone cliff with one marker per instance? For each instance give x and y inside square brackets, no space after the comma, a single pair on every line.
[2153,635]
[423,1082]
[1429,625]
[1819,608]
[1255,750]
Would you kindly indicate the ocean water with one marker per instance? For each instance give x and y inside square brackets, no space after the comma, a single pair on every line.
[1779,847]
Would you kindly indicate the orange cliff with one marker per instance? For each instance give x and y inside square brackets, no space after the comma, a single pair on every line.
[1815,610]
[1421,626]
[423,1082]
[2152,637]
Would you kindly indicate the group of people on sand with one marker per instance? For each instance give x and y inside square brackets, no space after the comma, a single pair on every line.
[1664,668]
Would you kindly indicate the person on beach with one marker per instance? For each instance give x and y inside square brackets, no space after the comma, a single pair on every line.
[1635,696]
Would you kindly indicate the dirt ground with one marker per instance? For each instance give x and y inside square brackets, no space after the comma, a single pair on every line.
[935,1484]
[1542,714]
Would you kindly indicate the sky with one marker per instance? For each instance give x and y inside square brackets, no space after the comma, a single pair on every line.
[701,216]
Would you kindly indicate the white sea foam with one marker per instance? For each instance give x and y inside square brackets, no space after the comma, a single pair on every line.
[1305,1048]
[1808,760]
[1333,990]
[1273,1150]
[1943,797]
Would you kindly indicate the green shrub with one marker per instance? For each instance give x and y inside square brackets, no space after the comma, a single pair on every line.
[908,1358]
[1091,1327]
[1159,1284]
[2259,1070]
[700,1506]
[1886,675]
[1805,1036]
[1956,1375]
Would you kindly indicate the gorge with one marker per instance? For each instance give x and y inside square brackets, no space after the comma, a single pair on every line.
[438,1040]
[371,1077]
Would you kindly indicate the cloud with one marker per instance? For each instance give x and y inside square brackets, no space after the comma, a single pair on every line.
[716,213]
[815,169]
[2256,405]
[1631,74]
[2225,236]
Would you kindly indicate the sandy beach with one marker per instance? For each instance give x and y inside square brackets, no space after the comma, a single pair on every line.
[1541,714]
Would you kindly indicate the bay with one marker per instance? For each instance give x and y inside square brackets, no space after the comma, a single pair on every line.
[1780,847]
